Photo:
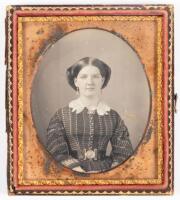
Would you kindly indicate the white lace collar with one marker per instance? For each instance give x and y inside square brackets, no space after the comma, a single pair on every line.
[77,105]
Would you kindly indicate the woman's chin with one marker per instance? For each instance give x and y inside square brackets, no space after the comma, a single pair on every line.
[91,94]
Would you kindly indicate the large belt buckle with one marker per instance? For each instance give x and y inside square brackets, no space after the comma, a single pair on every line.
[90,154]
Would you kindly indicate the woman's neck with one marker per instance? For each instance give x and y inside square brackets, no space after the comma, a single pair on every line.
[90,102]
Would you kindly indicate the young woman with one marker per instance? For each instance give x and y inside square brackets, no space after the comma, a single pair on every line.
[78,134]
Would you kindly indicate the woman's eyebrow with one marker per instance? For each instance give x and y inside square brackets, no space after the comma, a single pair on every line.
[88,73]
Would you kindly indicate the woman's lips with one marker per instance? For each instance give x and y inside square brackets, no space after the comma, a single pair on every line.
[90,88]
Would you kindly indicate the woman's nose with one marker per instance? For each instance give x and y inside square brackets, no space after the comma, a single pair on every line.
[89,80]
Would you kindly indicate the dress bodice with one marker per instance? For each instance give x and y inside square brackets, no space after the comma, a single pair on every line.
[71,135]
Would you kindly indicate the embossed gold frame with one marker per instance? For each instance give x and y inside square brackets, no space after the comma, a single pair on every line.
[163,15]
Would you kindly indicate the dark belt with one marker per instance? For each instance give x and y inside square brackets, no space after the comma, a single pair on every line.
[86,154]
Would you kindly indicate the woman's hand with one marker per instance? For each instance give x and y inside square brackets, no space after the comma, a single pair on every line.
[78,169]
[114,164]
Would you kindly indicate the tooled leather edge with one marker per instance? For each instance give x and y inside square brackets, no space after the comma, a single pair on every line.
[8,125]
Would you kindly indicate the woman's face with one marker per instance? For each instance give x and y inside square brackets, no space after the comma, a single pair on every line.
[89,81]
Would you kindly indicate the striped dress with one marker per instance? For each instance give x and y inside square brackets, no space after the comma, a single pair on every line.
[70,135]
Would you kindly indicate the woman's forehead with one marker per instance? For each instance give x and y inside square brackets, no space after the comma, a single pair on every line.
[89,69]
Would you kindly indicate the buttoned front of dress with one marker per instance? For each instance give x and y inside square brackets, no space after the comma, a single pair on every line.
[91,133]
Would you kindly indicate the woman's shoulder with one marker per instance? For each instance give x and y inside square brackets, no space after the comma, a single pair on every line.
[72,106]
[60,112]
[115,116]
[114,113]
[63,110]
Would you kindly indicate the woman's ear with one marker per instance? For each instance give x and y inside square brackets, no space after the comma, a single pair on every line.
[103,79]
[75,82]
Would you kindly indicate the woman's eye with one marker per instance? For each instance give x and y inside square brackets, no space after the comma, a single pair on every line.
[96,76]
[83,76]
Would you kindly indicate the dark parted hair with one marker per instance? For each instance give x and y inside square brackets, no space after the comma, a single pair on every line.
[73,71]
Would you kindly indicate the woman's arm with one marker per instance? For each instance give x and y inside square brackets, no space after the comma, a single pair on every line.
[121,144]
[57,144]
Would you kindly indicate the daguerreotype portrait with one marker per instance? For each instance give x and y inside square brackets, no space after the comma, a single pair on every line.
[86,133]
[90,99]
